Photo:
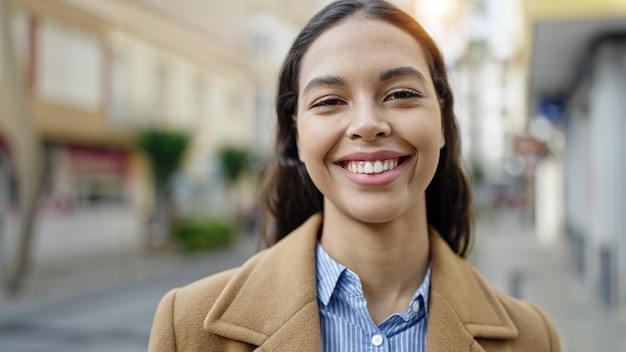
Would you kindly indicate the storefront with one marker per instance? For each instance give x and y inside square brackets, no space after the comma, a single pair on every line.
[81,176]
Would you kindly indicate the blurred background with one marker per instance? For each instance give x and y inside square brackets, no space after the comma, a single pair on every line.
[134,135]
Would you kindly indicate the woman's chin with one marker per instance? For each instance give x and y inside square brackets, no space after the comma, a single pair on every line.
[376,215]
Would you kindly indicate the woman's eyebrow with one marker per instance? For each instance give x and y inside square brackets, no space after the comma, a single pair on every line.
[401,71]
[325,81]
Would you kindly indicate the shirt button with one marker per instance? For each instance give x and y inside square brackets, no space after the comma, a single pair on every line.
[415,306]
[377,340]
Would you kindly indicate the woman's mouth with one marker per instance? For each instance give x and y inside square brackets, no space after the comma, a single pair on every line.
[372,166]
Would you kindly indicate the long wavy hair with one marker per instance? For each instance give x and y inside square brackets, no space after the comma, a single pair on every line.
[289,196]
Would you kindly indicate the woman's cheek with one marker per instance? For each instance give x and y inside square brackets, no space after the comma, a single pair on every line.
[312,140]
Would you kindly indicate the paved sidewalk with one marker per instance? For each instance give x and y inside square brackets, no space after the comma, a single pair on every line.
[89,251]
[117,316]
[511,258]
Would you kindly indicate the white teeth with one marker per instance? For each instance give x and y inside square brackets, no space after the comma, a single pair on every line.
[378,167]
[371,167]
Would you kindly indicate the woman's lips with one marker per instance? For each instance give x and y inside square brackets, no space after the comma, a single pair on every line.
[373,172]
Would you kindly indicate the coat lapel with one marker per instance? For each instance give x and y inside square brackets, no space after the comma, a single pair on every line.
[463,307]
[272,301]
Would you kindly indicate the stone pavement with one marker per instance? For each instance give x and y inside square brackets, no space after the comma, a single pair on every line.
[511,258]
[113,318]
[89,250]
[83,250]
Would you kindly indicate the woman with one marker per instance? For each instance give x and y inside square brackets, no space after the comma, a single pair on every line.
[370,213]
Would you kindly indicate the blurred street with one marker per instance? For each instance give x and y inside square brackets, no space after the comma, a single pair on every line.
[115,115]
[512,259]
[74,314]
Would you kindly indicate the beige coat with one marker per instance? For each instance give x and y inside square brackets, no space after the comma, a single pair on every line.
[270,304]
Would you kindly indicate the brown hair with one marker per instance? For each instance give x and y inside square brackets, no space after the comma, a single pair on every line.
[289,195]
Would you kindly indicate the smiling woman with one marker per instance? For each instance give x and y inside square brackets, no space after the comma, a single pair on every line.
[368,212]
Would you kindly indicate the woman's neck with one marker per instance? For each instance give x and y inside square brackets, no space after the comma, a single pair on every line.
[390,258]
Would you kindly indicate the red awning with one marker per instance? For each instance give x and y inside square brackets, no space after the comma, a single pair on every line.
[94,160]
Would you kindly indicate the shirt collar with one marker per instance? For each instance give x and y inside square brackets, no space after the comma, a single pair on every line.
[329,272]
[424,289]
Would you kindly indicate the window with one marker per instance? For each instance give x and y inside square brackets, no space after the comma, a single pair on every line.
[69,66]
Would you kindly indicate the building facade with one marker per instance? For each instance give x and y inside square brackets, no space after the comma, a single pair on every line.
[577,85]
[99,72]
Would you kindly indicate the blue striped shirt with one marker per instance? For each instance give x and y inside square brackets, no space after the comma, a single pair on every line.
[346,324]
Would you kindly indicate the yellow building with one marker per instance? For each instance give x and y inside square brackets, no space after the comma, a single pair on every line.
[558,35]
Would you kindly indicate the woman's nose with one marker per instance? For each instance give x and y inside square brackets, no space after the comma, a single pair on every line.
[367,123]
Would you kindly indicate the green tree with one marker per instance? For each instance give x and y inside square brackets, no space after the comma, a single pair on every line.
[235,160]
[165,150]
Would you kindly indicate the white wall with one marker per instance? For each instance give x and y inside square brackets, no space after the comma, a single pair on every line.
[69,66]
[596,167]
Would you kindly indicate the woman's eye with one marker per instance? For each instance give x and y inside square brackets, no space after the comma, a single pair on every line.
[328,102]
[403,94]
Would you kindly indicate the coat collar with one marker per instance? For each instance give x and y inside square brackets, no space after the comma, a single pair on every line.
[271,301]
[462,306]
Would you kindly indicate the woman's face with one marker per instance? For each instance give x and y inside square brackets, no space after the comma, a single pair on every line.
[368,120]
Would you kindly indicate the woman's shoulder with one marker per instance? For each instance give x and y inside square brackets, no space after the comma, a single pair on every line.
[181,313]
[531,321]
[204,291]
[277,284]
[531,328]
[461,297]
[279,266]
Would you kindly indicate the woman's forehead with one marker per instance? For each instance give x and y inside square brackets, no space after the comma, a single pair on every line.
[359,42]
